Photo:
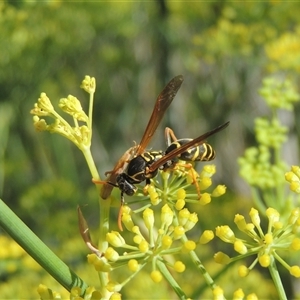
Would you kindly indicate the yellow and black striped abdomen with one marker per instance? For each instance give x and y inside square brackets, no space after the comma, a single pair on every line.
[203,152]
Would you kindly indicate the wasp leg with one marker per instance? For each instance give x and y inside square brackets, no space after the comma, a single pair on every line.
[103,182]
[120,214]
[145,189]
[192,172]
[169,136]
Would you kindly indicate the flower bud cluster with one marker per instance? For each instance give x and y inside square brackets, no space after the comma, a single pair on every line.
[280,235]
[278,94]
[293,177]
[184,184]
[161,236]
[80,135]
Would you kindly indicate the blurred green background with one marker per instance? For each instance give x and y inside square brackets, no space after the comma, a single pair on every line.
[223,49]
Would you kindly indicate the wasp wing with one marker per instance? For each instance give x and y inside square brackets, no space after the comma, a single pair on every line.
[193,143]
[161,105]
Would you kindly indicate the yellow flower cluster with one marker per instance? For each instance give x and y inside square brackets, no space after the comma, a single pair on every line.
[181,186]
[79,135]
[218,294]
[284,52]
[151,247]
[280,235]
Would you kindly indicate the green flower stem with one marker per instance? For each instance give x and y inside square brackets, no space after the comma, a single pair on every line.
[104,204]
[90,119]
[277,280]
[197,262]
[165,272]
[19,231]
[257,199]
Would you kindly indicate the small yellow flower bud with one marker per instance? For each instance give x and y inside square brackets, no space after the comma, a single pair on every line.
[294,216]
[264,260]
[39,124]
[181,194]
[180,203]
[75,291]
[127,221]
[238,295]
[290,177]
[205,199]
[144,246]
[113,286]
[240,222]
[115,239]
[273,215]
[133,265]
[251,297]
[151,189]
[218,293]
[296,170]
[277,225]
[44,292]
[89,84]
[206,237]
[243,271]
[91,258]
[114,296]
[250,227]
[208,171]
[191,222]
[295,271]
[135,229]
[178,232]
[205,183]
[188,246]
[268,238]
[137,239]
[154,198]
[179,266]
[255,217]
[102,265]
[111,254]
[148,217]
[219,191]
[295,187]
[295,245]
[156,276]
[166,241]
[166,215]
[45,104]
[240,247]
[222,258]
[183,216]
[225,234]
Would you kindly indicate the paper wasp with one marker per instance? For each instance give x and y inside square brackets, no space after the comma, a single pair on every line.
[138,165]
[134,160]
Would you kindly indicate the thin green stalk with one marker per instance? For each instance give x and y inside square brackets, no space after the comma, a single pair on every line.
[22,234]
[165,272]
[277,280]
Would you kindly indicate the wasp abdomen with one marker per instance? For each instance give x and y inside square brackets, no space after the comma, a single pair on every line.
[203,152]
